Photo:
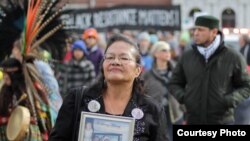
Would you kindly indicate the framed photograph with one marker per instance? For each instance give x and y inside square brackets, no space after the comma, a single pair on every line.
[102,127]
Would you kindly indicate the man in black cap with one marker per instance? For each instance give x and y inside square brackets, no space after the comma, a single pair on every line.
[210,79]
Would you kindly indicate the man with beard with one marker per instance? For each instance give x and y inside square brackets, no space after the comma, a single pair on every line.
[210,79]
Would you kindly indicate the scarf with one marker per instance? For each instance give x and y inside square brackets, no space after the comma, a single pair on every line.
[208,51]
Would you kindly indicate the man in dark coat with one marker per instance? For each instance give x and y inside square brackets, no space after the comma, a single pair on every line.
[210,79]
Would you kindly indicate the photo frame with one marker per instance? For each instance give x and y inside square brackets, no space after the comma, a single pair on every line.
[103,127]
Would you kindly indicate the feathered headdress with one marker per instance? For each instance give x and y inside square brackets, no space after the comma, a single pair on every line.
[36,22]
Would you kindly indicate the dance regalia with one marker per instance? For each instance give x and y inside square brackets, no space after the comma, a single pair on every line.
[29,20]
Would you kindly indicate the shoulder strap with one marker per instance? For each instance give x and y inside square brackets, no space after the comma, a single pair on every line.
[78,98]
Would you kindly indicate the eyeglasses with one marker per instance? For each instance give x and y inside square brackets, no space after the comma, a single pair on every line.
[124,59]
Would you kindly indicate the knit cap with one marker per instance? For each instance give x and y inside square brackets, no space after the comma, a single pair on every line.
[79,44]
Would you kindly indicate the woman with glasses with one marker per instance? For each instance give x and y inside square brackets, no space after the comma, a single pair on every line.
[117,91]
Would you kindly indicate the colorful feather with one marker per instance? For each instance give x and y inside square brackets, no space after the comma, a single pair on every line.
[32,20]
[39,23]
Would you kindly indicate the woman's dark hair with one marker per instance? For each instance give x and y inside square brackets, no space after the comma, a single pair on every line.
[17,82]
[16,76]
[123,38]
[6,95]
[100,83]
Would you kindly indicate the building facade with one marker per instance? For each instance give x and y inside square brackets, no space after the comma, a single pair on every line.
[232,13]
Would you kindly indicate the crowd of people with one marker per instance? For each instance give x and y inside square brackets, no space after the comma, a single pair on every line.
[151,77]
